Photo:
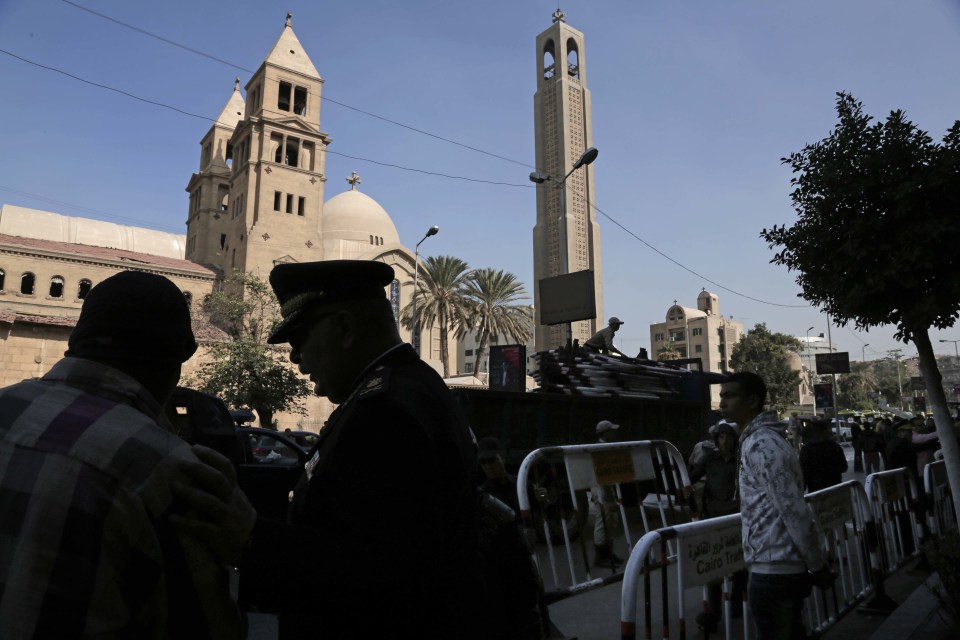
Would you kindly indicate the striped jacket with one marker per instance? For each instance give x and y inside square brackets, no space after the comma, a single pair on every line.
[780,534]
[86,545]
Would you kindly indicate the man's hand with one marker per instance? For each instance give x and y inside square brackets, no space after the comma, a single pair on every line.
[218,513]
[823,577]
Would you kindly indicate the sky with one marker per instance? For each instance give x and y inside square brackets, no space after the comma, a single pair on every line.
[694,105]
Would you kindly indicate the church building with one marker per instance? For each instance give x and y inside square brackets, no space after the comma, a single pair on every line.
[256,201]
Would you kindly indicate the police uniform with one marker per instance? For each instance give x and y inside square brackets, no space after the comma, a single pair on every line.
[381,539]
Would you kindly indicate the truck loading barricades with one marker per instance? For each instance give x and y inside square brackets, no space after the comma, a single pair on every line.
[603,496]
[711,550]
[940,515]
[893,499]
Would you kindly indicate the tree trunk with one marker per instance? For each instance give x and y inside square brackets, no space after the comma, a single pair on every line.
[937,399]
[266,417]
[480,349]
[444,356]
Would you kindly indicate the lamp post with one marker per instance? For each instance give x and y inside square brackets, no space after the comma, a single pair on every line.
[587,157]
[896,354]
[956,353]
[863,352]
[810,369]
[432,231]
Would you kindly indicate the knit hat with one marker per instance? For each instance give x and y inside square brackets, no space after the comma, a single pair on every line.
[134,316]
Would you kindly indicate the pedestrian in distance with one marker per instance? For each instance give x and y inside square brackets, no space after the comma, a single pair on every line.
[602,341]
[782,542]
[89,467]
[382,537]
[603,498]
[821,458]
[871,444]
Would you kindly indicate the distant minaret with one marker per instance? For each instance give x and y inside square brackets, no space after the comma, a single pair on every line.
[563,131]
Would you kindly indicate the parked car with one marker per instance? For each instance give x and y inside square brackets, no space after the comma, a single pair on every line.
[306,439]
[268,463]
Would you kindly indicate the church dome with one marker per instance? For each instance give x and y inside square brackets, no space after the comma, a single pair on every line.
[354,224]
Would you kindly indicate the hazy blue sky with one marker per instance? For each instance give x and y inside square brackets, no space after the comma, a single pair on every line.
[694,104]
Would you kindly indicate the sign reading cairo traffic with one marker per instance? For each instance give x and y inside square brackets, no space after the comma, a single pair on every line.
[833,362]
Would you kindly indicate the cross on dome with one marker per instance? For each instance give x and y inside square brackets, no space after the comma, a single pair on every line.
[354,180]
[559,16]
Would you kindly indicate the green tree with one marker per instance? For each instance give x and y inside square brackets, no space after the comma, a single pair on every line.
[440,301]
[886,381]
[244,371]
[852,388]
[493,298]
[768,355]
[876,236]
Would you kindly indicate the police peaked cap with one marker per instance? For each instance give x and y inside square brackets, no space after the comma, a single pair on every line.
[304,286]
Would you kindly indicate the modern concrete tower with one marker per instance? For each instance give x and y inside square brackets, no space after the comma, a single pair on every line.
[563,131]
[275,159]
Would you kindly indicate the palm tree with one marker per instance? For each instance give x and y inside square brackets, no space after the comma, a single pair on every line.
[440,301]
[494,310]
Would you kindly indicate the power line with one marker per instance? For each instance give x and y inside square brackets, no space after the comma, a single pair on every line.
[384,119]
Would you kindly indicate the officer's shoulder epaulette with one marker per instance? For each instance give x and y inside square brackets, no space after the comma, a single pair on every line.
[375,384]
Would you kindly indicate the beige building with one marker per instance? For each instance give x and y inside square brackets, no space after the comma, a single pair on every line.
[256,201]
[564,241]
[697,333]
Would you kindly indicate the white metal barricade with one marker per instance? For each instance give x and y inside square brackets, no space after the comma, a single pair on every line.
[892,496]
[712,549]
[940,515]
[651,487]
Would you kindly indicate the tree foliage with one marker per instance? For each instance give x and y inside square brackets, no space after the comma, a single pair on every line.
[494,309]
[852,388]
[876,236]
[440,301]
[244,371]
[768,355]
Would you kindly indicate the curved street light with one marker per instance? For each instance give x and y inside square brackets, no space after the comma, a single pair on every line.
[863,352]
[956,353]
[432,231]
[587,157]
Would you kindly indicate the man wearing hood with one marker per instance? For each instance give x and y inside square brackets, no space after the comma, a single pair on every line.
[782,542]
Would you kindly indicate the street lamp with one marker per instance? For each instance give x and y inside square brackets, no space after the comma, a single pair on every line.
[587,157]
[863,352]
[954,346]
[810,368]
[432,231]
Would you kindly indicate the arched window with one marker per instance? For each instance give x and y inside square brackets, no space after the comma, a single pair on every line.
[548,60]
[2,278]
[56,287]
[27,282]
[83,289]
[573,59]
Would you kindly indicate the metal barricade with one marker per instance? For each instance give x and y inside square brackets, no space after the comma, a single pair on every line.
[893,496]
[940,515]
[648,487]
[710,550]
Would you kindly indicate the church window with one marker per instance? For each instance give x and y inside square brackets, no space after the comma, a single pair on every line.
[205,156]
[56,287]
[27,281]
[548,60]
[292,155]
[223,241]
[289,203]
[306,156]
[301,206]
[276,145]
[300,101]
[276,200]
[371,239]
[83,289]
[573,59]
[283,97]
[229,157]
[2,278]
[223,195]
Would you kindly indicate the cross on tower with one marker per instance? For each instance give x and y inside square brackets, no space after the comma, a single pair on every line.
[354,180]
[559,16]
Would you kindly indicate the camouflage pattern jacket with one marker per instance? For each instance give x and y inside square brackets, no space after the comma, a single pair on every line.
[780,534]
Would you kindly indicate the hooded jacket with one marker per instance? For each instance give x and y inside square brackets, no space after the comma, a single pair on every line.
[780,533]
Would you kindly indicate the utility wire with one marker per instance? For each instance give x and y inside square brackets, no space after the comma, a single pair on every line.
[384,119]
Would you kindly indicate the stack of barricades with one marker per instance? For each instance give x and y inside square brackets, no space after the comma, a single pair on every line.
[893,498]
[646,487]
[940,515]
[711,550]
